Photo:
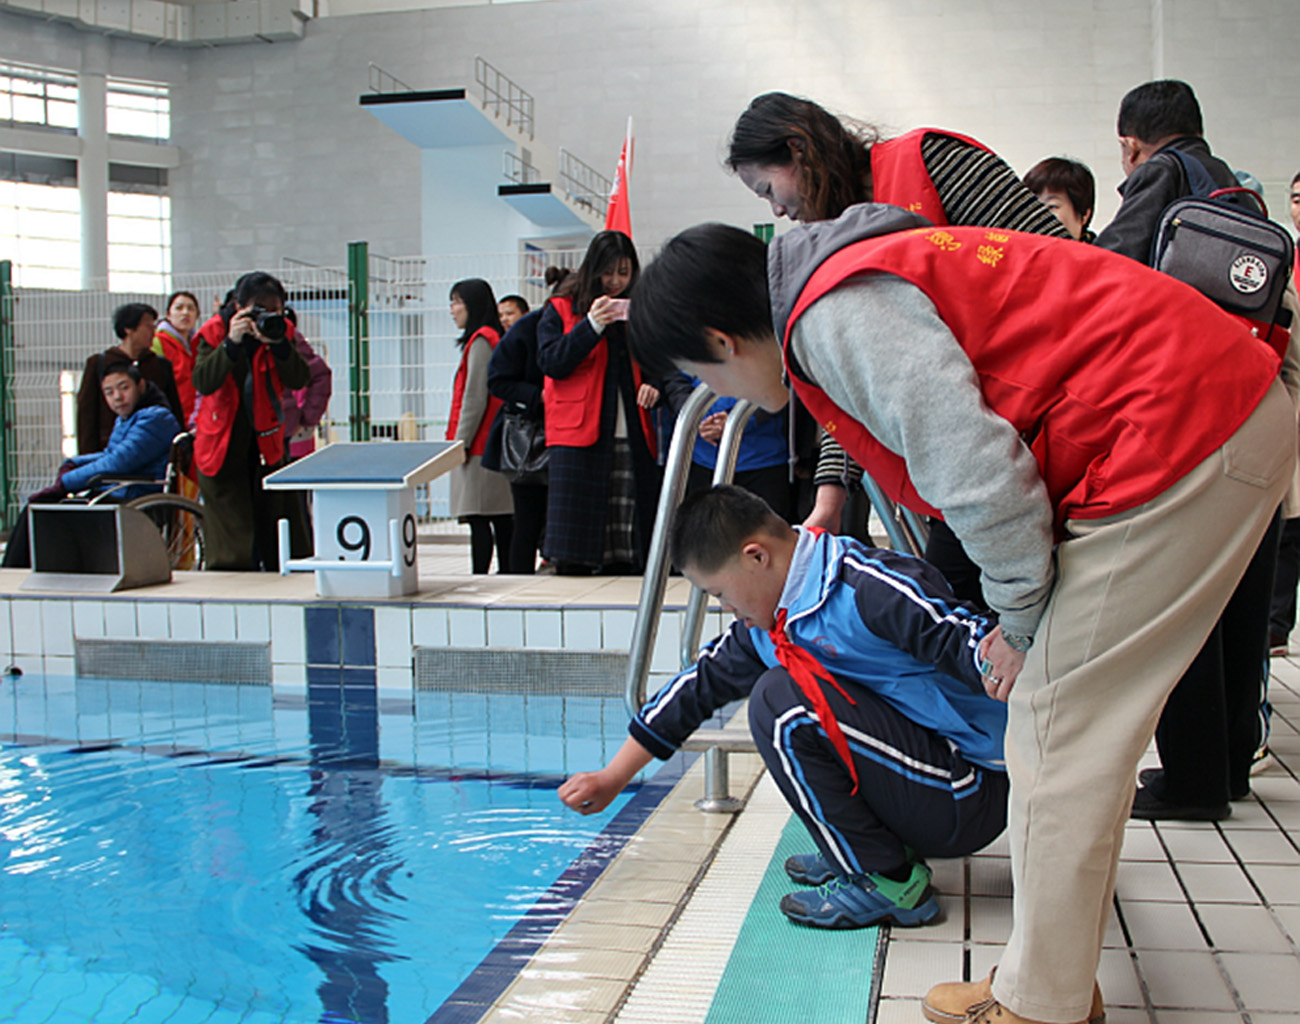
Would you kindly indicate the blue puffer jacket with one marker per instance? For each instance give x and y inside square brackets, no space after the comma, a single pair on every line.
[874,618]
[139,446]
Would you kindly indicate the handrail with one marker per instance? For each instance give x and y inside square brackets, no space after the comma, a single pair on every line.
[515,168]
[906,532]
[584,184]
[655,580]
[379,78]
[723,473]
[499,91]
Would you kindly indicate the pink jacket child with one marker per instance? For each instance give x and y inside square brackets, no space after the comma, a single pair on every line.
[306,407]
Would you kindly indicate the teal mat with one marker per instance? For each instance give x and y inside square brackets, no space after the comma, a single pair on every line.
[779,971]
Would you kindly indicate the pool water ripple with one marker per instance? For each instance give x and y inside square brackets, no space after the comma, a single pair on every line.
[212,870]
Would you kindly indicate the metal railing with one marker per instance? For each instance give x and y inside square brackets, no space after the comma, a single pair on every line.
[518,170]
[583,184]
[501,94]
[382,81]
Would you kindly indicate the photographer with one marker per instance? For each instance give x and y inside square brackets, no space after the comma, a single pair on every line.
[246,362]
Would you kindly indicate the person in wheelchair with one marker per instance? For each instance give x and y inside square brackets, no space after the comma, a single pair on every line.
[139,446]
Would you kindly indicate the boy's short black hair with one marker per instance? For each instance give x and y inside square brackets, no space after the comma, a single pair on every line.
[711,526]
[130,369]
[1158,110]
[1295,179]
[128,317]
[518,301]
[711,275]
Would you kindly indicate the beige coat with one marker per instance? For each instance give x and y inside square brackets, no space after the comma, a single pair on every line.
[476,491]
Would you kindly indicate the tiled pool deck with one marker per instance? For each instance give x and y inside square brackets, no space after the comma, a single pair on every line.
[1206,927]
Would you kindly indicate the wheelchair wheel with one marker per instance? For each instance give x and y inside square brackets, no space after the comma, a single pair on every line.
[180,521]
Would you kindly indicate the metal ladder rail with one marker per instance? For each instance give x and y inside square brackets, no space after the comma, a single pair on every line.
[655,580]
[723,473]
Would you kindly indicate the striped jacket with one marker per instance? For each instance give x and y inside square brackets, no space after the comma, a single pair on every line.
[873,618]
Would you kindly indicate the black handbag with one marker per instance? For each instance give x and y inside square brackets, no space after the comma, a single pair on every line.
[523,449]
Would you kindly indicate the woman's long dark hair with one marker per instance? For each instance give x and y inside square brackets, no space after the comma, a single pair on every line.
[604,252]
[480,305]
[833,156]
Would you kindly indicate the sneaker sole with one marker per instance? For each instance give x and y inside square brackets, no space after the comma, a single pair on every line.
[923,913]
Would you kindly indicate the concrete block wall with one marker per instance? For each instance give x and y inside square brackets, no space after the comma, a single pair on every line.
[281,160]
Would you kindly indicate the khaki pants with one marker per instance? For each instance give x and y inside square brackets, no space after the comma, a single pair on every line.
[1135,598]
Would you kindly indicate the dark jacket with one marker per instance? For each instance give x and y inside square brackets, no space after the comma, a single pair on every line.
[139,445]
[1151,187]
[95,420]
[516,379]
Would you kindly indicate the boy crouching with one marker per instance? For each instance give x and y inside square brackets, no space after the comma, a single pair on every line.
[865,702]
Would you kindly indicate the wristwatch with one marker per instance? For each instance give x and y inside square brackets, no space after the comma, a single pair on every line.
[1017,642]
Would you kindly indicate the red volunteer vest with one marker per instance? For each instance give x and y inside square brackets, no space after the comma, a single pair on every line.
[899,177]
[1118,378]
[573,403]
[479,442]
[219,409]
[168,343]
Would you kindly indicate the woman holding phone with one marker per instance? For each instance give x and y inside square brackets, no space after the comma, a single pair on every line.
[604,478]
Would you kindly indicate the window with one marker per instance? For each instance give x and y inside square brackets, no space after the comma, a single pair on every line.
[139,242]
[138,110]
[37,96]
[40,230]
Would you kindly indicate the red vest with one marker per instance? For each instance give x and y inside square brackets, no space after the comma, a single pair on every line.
[899,177]
[218,410]
[479,442]
[573,403]
[1118,378]
[168,343]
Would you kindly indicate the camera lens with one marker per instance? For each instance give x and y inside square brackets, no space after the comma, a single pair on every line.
[271,325]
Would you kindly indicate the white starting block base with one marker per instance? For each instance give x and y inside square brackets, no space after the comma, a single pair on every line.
[363,513]
[365,544]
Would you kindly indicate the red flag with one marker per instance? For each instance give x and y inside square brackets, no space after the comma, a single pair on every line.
[618,215]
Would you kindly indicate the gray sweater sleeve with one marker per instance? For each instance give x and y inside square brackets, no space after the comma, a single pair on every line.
[879,349]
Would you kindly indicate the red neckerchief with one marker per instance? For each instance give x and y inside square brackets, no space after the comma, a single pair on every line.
[806,671]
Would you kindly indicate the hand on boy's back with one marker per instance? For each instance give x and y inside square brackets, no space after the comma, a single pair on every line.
[589,792]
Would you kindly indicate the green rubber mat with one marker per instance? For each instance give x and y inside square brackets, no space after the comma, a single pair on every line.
[779,971]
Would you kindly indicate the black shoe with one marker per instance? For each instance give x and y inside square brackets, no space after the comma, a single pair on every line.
[1153,779]
[1149,807]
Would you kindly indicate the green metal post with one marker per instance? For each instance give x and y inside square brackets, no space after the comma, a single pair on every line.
[359,340]
[8,499]
[765,232]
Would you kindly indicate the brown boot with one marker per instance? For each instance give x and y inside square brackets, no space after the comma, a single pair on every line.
[969,1002]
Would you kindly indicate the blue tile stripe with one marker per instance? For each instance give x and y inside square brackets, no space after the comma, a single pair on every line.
[476,994]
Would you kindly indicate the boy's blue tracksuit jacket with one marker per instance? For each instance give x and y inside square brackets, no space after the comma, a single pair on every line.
[873,618]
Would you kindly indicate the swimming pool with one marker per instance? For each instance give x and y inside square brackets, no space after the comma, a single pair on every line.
[203,852]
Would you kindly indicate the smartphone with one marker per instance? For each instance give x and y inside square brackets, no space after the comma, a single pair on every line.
[619,308]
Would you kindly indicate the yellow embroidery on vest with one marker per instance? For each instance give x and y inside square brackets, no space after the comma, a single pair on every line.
[944,241]
[989,254]
[997,236]
[830,426]
[913,207]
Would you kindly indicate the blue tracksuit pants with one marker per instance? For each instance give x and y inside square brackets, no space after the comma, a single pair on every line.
[914,789]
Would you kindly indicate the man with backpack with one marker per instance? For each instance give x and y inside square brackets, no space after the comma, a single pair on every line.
[1157,121]
[1210,727]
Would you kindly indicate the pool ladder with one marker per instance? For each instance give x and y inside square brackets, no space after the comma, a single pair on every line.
[906,533]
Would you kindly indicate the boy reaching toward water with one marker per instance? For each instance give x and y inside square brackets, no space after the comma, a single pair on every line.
[865,702]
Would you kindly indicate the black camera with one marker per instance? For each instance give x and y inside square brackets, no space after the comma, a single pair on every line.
[272,326]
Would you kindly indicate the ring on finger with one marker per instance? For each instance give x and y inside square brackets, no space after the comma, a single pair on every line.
[986,667]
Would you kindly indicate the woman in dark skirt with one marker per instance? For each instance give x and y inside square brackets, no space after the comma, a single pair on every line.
[604,478]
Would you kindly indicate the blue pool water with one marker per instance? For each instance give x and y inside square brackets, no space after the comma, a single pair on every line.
[177,852]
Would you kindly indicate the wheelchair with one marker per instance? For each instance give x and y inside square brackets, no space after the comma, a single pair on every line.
[179,518]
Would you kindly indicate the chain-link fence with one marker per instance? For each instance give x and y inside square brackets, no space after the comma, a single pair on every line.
[392,367]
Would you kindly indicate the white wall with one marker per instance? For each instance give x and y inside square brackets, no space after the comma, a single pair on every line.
[281,159]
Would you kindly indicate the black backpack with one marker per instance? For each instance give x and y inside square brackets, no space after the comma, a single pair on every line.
[1229,253]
